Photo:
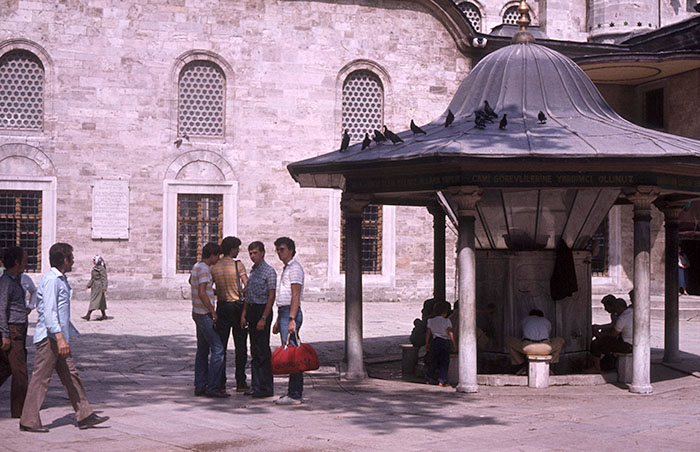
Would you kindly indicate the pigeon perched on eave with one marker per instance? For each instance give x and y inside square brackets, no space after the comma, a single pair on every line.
[504,122]
[415,129]
[489,111]
[366,142]
[378,137]
[345,142]
[392,136]
[450,118]
[541,117]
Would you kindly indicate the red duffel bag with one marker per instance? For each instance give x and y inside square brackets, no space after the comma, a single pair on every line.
[291,359]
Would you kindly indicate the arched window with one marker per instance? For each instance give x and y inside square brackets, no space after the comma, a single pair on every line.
[21,91]
[472,13]
[363,104]
[363,112]
[201,100]
[511,16]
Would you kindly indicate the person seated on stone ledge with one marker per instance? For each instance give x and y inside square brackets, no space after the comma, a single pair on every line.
[618,339]
[608,303]
[535,340]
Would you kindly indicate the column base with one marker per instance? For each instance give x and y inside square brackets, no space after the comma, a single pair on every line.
[641,389]
[470,389]
[355,375]
[672,358]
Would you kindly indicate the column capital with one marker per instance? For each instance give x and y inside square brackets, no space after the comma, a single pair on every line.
[465,198]
[672,213]
[353,204]
[435,209]
[642,196]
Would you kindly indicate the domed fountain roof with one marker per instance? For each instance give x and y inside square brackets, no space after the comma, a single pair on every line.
[518,80]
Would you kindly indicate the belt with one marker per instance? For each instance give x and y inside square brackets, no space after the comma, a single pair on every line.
[533,340]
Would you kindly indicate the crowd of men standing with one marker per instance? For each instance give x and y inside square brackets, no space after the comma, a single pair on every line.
[226,300]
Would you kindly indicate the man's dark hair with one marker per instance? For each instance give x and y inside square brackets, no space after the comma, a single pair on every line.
[537,313]
[228,244]
[58,253]
[12,256]
[608,300]
[620,304]
[210,249]
[257,245]
[289,243]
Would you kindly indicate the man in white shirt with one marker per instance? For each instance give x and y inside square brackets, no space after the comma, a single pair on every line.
[618,339]
[535,341]
[289,316]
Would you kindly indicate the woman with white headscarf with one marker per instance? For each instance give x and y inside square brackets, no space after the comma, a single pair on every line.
[98,286]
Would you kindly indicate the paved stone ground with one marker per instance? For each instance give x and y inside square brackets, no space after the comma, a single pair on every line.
[138,369]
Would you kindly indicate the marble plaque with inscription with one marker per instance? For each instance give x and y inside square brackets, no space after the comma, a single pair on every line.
[110,209]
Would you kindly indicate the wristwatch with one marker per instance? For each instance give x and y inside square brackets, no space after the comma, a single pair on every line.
[292,318]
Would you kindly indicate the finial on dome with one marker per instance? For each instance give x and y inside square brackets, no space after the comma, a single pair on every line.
[523,36]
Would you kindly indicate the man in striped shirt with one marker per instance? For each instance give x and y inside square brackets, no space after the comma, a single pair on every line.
[208,371]
[230,279]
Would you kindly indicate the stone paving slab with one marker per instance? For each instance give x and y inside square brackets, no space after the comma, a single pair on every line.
[138,369]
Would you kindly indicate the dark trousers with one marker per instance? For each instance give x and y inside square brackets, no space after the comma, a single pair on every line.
[260,366]
[14,362]
[609,344]
[46,360]
[440,359]
[229,321]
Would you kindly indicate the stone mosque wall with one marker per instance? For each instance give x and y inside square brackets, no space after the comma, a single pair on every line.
[111,80]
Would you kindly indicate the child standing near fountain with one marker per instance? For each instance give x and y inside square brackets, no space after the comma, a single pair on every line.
[439,341]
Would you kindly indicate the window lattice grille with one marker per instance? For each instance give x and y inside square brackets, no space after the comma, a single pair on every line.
[511,16]
[371,240]
[20,224]
[21,91]
[598,246]
[201,95]
[199,221]
[363,104]
[471,12]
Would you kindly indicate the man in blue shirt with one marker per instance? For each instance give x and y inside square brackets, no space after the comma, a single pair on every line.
[52,339]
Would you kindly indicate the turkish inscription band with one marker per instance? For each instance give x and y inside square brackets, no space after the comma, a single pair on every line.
[110,209]
[529,179]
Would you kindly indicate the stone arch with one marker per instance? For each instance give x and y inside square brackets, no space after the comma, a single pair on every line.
[187,165]
[19,159]
[49,75]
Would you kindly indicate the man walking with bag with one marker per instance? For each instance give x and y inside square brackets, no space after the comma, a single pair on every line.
[230,279]
[289,317]
[257,313]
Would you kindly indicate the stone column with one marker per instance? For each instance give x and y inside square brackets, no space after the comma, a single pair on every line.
[439,292]
[641,351]
[671,350]
[466,198]
[352,206]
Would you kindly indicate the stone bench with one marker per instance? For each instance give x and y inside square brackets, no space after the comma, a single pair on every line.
[409,359]
[625,367]
[538,371]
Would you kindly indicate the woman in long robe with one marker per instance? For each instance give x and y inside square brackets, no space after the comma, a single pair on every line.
[98,288]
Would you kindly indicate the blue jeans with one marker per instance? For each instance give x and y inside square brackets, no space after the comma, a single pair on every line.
[208,372]
[296,381]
